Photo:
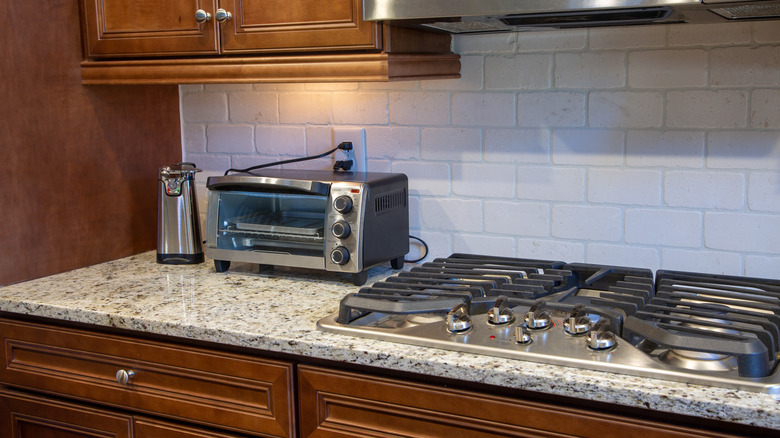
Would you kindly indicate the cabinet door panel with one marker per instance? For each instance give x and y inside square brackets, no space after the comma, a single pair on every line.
[149,28]
[26,416]
[234,391]
[342,404]
[297,25]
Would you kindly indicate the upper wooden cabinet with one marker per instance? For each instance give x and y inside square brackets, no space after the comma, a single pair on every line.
[229,41]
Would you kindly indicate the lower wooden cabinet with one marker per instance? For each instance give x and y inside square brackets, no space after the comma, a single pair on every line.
[234,392]
[344,404]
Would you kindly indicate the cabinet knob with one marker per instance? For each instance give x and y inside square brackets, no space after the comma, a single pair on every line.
[223,16]
[202,16]
[123,377]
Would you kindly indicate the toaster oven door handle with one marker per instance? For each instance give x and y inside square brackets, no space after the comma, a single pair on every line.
[261,182]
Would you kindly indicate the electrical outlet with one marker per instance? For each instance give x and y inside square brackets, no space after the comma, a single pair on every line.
[358,153]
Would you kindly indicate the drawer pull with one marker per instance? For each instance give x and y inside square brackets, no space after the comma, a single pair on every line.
[124,376]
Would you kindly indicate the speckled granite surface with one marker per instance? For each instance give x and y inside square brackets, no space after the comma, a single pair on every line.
[278,310]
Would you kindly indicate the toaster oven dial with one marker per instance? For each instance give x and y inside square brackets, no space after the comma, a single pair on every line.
[339,255]
[341,229]
[342,204]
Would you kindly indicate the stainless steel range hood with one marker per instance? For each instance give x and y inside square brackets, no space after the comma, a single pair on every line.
[474,16]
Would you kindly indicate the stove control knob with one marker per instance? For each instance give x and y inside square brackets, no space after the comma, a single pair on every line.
[537,318]
[341,229]
[501,313]
[339,255]
[600,338]
[577,323]
[522,335]
[458,319]
[342,204]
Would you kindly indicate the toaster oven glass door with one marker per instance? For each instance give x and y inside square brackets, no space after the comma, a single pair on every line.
[272,222]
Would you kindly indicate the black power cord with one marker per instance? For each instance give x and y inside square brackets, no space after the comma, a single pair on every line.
[424,255]
[340,165]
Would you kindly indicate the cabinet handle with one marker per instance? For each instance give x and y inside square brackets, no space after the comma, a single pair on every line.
[223,16]
[124,376]
[202,16]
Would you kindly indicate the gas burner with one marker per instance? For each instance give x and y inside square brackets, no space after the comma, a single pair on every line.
[688,327]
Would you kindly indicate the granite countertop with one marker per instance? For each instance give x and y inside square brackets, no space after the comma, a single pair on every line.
[277,310]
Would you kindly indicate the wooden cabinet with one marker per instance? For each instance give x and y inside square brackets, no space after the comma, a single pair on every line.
[343,404]
[231,41]
[229,391]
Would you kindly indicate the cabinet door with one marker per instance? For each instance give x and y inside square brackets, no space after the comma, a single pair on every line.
[119,28]
[341,404]
[297,25]
[27,416]
[219,389]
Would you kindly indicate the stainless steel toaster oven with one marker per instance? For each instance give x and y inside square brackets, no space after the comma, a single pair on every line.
[333,221]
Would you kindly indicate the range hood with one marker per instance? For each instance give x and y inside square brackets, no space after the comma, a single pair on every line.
[475,16]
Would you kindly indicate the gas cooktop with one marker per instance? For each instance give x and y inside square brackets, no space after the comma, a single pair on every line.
[695,328]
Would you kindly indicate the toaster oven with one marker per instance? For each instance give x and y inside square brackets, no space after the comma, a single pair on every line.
[333,221]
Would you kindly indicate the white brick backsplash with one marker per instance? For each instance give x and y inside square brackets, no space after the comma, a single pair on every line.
[452,214]
[590,70]
[308,107]
[627,187]
[762,267]
[645,146]
[766,32]
[765,108]
[710,190]
[517,145]
[519,219]
[562,250]
[194,138]
[744,150]
[360,108]
[665,148]
[451,144]
[481,244]
[551,184]
[483,109]
[552,108]
[664,227]
[253,107]
[574,39]
[706,109]
[483,180]
[667,69]
[230,139]
[626,37]
[764,191]
[427,108]
[518,72]
[625,109]
[739,66]
[400,143]
[429,179]
[592,147]
[204,107]
[709,34]
[712,262]
[742,232]
[587,222]
[280,140]
[615,255]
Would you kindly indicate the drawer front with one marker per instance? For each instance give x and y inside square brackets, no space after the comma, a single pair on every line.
[335,404]
[233,391]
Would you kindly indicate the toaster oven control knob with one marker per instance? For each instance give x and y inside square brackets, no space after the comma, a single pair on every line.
[339,255]
[342,204]
[340,229]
